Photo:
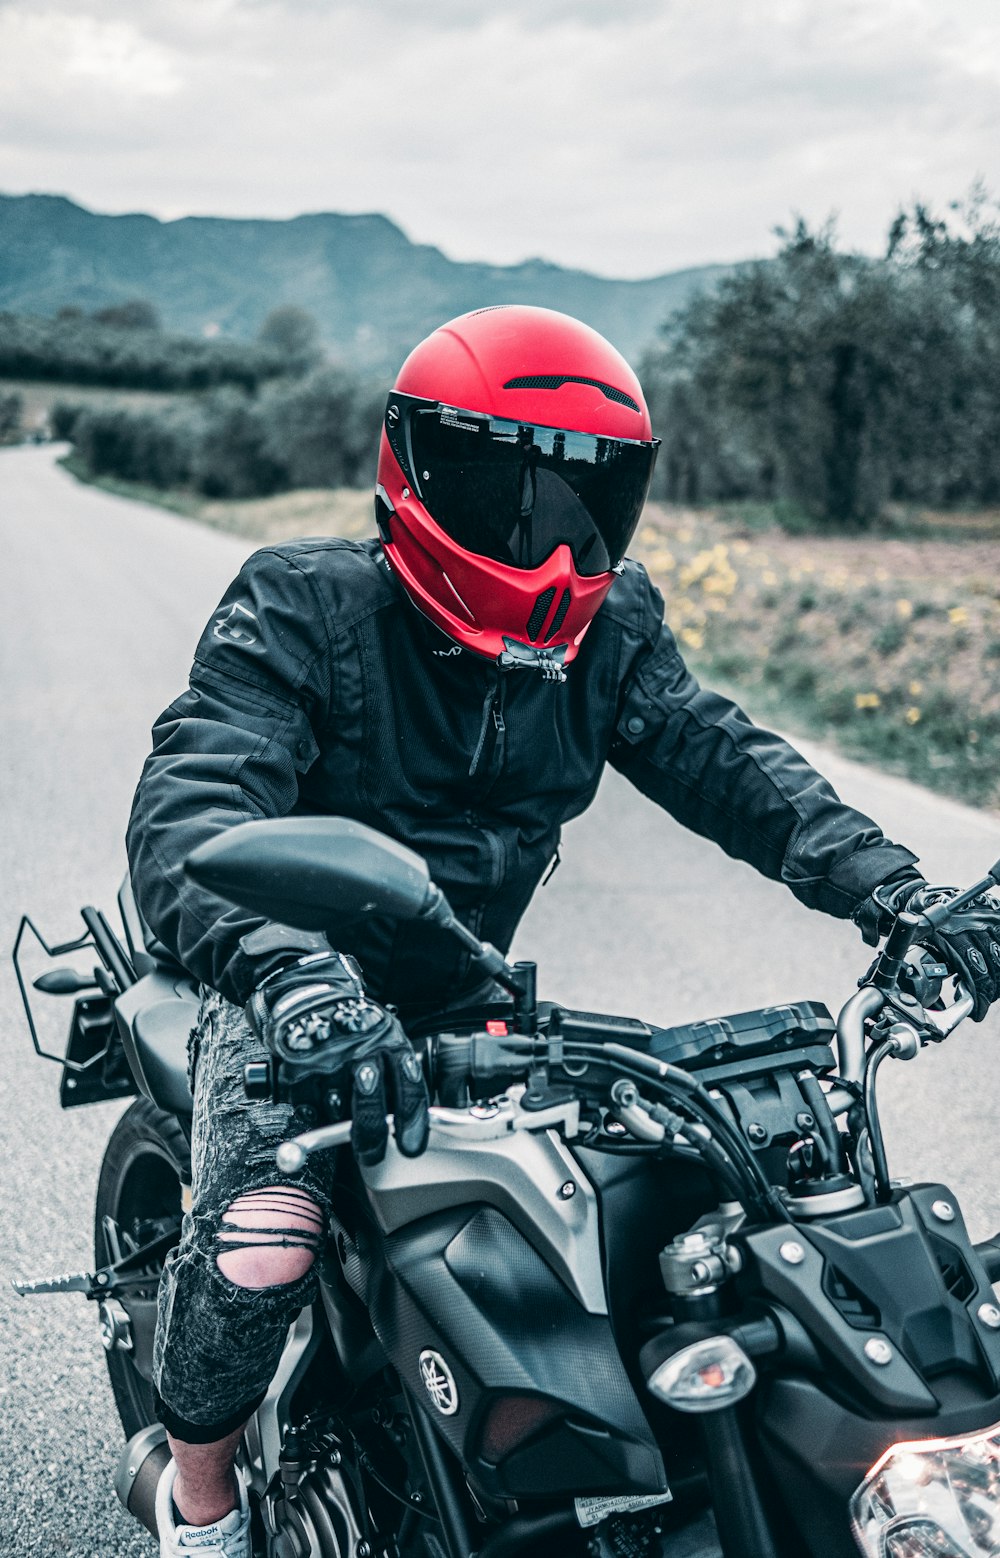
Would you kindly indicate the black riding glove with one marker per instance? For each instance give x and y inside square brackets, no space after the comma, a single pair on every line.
[317,1005]
[969,945]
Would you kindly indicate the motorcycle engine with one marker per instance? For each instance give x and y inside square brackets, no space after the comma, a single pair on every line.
[312,1513]
[628,1536]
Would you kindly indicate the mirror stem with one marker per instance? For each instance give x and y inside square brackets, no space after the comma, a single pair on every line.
[520,981]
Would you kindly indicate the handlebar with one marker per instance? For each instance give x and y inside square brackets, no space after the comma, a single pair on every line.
[498,1064]
[495,1120]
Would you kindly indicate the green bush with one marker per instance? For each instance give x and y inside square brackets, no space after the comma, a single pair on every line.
[11,410]
[321,431]
[62,419]
[825,383]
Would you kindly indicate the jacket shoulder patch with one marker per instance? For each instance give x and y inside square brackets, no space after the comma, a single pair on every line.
[237,625]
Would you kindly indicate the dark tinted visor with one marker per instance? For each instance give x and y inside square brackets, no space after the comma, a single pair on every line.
[513,491]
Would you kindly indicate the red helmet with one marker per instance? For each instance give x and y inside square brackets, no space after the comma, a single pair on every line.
[514,464]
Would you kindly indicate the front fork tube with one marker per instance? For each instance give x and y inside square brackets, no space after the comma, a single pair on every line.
[740,1516]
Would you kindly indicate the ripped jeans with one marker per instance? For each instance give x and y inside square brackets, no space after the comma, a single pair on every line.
[219,1337]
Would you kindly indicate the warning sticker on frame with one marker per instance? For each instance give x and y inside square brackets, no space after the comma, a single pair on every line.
[591,1511]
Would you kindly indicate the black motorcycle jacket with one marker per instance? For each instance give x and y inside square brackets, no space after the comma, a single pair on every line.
[318,688]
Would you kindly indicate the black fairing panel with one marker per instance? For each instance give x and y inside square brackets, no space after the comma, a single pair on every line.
[644,1204]
[468,1285]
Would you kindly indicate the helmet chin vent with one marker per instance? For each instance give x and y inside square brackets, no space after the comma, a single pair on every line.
[558,619]
[554,381]
[540,611]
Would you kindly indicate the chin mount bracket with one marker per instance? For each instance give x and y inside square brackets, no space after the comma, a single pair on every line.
[533,657]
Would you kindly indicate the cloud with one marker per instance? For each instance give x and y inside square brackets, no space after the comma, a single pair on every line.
[627,138]
[112,56]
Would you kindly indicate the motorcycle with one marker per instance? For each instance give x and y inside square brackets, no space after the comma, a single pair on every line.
[649,1291]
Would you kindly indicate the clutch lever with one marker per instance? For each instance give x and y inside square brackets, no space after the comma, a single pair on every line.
[292,1155]
[481,1122]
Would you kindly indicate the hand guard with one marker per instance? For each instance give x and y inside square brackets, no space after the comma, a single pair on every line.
[316,1003]
[969,944]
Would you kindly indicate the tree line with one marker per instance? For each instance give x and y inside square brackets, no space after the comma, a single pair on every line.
[317,431]
[837,383]
[123,346]
[822,381]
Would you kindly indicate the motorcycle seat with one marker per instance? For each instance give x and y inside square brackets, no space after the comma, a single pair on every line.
[155,1017]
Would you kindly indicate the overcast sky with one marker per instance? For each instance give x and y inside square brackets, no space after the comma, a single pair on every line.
[628,137]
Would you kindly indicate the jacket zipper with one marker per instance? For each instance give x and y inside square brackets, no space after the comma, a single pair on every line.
[490,736]
[492,728]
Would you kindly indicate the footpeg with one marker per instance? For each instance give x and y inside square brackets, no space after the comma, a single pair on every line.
[90,1282]
[123,1275]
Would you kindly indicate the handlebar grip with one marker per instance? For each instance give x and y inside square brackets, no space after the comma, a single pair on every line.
[451,1059]
[480,1059]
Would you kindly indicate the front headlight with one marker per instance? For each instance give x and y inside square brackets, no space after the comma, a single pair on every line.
[933,1498]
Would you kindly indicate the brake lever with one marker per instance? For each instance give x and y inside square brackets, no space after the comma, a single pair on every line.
[946,1021]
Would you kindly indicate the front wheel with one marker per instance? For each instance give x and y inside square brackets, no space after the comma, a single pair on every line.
[146,1164]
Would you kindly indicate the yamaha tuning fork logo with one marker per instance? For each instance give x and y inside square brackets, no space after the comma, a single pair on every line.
[439,1382]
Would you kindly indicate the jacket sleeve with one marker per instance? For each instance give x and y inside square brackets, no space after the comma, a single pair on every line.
[229,750]
[704,761]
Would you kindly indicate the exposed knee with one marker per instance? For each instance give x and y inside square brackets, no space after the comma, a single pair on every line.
[272,1236]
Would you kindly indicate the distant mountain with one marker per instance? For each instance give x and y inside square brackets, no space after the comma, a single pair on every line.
[373,292]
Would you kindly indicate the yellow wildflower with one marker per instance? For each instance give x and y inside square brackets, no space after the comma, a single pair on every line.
[769,577]
[692,637]
[958,615]
[916,688]
[661,561]
[867,700]
[912,714]
[693,570]
[904,609]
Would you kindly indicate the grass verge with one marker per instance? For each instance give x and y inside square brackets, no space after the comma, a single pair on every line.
[341,511]
[887,648]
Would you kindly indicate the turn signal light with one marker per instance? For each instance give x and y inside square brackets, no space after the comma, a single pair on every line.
[704,1377]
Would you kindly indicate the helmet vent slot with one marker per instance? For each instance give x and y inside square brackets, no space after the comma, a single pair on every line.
[554,381]
[540,611]
[560,616]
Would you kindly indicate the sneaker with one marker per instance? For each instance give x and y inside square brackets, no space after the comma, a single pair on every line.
[225,1538]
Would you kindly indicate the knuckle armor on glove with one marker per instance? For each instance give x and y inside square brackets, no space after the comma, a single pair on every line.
[967,944]
[318,1005]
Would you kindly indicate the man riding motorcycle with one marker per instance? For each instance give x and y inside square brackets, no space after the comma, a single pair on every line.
[458,683]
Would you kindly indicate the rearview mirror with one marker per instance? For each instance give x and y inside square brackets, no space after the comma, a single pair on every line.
[313,872]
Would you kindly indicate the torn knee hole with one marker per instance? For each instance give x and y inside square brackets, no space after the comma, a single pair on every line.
[270,1237]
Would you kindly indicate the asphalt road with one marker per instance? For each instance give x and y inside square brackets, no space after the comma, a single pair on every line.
[101,601]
